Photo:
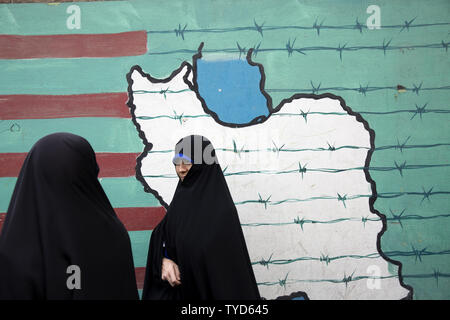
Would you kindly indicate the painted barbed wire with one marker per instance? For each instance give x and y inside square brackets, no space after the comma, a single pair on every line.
[397,167]
[399,146]
[397,219]
[347,279]
[164,92]
[303,169]
[175,116]
[290,49]
[419,111]
[315,89]
[180,31]
[414,253]
[389,195]
[304,114]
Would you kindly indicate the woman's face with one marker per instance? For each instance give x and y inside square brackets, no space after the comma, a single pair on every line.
[182,169]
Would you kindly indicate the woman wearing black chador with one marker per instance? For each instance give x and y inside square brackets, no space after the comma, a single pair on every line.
[61,238]
[198,250]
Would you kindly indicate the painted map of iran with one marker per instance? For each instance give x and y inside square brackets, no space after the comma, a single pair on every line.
[298,177]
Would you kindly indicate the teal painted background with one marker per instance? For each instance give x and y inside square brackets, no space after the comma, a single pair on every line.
[333,52]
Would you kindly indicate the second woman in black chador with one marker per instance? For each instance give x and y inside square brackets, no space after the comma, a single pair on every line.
[201,235]
[59,218]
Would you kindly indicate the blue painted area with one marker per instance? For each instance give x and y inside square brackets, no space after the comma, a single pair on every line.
[231,89]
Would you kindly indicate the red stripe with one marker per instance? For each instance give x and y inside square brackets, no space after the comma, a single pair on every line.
[11,163]
[64,106]
[2,219]
[117,164]
[140,276]
[73,45]
[135,219]
[111,164]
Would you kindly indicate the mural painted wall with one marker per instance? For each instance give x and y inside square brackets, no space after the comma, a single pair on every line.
[329,120]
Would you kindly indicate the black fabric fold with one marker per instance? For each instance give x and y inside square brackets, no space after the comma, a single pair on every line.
[59,216]
[203,235]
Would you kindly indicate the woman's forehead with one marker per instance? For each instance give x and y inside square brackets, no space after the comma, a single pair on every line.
[181,158]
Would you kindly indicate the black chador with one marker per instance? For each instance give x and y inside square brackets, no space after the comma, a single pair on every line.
[61,238]
[202,234]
